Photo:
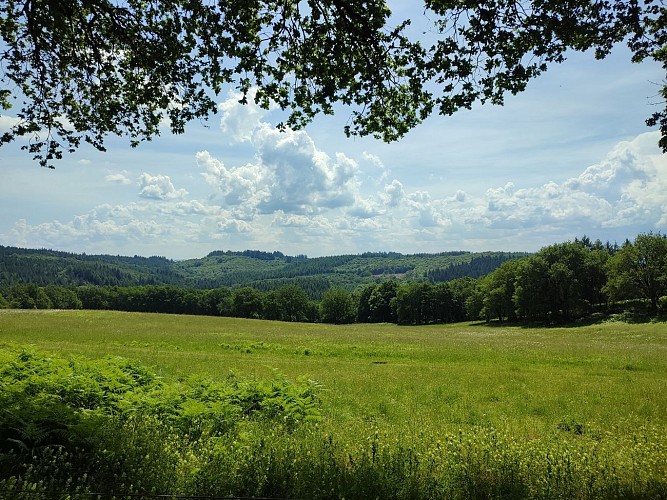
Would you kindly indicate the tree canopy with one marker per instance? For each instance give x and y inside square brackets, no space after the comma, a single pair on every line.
[639,269]
[85,69]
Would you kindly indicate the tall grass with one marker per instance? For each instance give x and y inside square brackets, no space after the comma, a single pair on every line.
[456,411]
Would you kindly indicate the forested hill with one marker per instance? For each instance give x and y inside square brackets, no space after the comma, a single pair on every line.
[262,270]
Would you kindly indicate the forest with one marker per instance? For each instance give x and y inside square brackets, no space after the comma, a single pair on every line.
[262,270]
[560,283]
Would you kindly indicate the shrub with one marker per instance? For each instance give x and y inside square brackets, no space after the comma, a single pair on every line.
[129,431]
[662,304]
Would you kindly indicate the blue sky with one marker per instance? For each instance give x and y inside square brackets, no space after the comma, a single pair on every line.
[570,156]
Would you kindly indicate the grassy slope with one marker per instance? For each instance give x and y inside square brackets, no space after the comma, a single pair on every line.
[408,381]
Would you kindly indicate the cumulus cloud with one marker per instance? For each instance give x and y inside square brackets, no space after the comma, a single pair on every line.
[293,196]
[378,164]
[394,193]
[185,208]
[117,178]
[628,187]
[623,167]
[429,213]
[299,177]
[290,175]
[364,209]
[314,225]
[83,229]
[239,121]
[234,226]
[159,187]
[235,186]
[549,204]
[111,228]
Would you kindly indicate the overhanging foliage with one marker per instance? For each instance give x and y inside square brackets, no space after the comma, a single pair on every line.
[83,70]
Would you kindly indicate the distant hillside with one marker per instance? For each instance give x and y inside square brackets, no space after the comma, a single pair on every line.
[262,270]
[479,265]
[46,267]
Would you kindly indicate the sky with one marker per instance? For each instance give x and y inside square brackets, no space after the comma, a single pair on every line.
[570,156]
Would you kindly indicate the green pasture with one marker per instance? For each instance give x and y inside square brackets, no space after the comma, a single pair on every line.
[444,411]
[411,382]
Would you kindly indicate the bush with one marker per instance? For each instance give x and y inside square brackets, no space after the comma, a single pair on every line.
[121,429]
[662,304]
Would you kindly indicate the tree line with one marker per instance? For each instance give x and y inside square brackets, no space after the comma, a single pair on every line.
[388,301]
[560,283]
[571,280]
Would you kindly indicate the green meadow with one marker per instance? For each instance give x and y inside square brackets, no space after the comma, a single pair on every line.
[461,410]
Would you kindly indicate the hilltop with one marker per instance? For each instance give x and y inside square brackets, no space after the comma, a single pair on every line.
[262,270]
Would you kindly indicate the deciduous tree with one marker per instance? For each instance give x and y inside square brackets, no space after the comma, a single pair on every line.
[639,269]
[381,302]
[337,306]
[247,302]
[292,303]
[82,70]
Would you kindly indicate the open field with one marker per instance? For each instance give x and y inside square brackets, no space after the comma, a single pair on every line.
[600,388]
[442,376]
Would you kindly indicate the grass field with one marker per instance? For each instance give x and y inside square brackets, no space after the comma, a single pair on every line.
[598,389]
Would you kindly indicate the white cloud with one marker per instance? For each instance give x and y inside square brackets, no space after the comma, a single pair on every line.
[378,164]
[239,121]
[299,177]
[364,209]
[109,228]
[116,178]
[290,175]
[460,196]
[7,122]
[394,193]
[234,226]
[628,187]
[314,225]
[84,229]
[186,208]
[296,198]
[235,186]
[159,187]
[626,165]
